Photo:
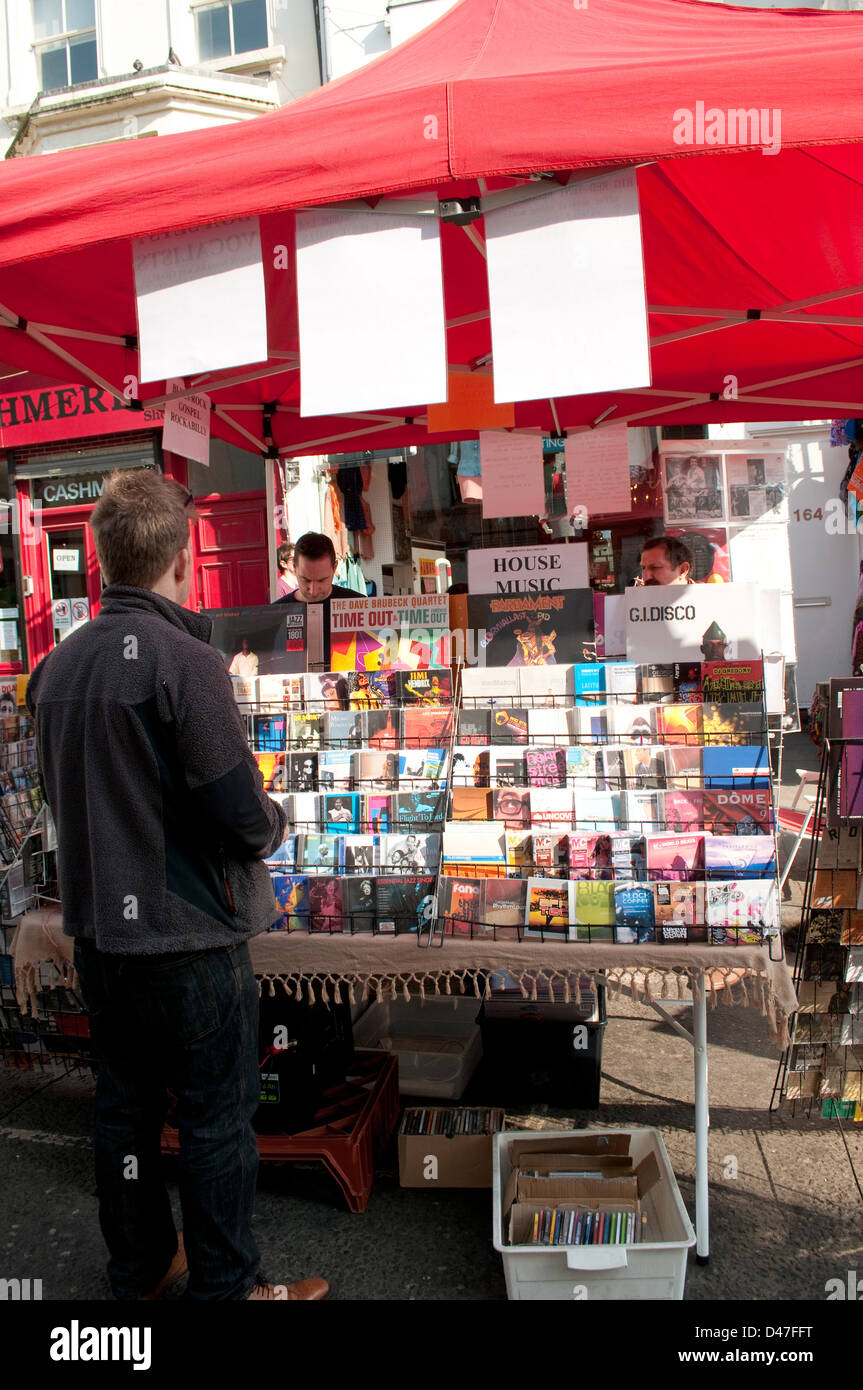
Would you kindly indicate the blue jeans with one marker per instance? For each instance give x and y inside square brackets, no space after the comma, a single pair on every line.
[187,1024]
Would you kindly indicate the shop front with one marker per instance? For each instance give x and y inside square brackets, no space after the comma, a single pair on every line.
[60,445]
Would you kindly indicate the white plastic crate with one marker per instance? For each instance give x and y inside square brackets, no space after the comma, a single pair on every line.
[440,1072]
[653,1269]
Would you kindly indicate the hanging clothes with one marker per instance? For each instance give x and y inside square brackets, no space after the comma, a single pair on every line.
[334,526]
[351,483]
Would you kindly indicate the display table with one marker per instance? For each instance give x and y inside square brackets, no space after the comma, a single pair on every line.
[321,966]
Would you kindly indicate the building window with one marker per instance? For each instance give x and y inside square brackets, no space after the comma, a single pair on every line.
[235,26]
[65,32]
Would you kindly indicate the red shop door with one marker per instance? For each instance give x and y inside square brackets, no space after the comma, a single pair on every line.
[231,561]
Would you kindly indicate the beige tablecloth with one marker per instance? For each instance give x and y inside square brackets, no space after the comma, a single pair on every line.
[321,966]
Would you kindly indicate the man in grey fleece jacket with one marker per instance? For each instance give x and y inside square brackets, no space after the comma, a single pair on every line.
[162,825]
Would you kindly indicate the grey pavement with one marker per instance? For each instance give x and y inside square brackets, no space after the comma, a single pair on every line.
[786,1202]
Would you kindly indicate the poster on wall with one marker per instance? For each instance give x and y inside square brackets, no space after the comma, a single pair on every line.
[698,622]
[260,641]
[756,487]
[402,632]
[533,629]
[709,550]
[527,569]
[692,488]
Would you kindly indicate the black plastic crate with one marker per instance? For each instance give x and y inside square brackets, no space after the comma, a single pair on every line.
[540,1058]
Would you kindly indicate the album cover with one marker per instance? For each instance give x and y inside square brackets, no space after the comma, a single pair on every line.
[424,687]
[504,905]
[733,723]
[326,908]
[359,896]
[471,803]
[382,728]
[376,770]
[688,689]
[683,809]
[284,856]
[372,689]
[322,852]
[474,726]
[341,812]
[629,855]
[745,910]
[269,733]
[343,729]
[302,771]
[546,766]
[512,806]
[644,766]
[532,629]
[597,812]
[507,768]
[358,853]
[588,724]
[548,727]
[551,806]
[676,856]
[632,723]
[292,894]
[725,682]
[679,723]
[461,907]
[728,811]
[589,682]
[265,640]
[422,810]
[335,769]
[412,851]
[427,727]
[594,910]
[508,724]
[325,690]
[519,849]
[634,920]
[546,685]
[306,731]
[405,903]
[590,856]
[550,852]
[683,766]
[678,904]
[645,810]
[581,767]
[739,856]
[548,907]
[378,813]
[470,766]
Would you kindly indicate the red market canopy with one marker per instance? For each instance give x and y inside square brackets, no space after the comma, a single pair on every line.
[753,257]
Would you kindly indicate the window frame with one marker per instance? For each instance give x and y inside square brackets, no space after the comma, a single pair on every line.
[199,6]
[63,41]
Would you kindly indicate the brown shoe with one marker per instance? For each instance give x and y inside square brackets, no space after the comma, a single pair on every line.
[309,1289]
[175,1271]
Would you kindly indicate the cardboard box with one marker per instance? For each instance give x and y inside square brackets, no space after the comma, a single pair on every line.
[440,1160]
[652,1268]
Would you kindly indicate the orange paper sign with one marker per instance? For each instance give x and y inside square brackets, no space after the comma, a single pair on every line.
[469,405]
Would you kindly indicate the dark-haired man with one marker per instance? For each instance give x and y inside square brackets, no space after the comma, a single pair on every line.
[315,567]
[665,560]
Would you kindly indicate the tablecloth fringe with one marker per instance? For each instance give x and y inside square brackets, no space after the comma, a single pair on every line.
[723,985]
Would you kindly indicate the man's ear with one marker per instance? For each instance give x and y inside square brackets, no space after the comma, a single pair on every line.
[182,564]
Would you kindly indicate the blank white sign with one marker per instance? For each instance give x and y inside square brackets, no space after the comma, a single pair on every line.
[201,302]
[371,311]
[566,292]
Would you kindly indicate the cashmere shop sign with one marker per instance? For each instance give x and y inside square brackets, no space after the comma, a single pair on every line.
[527,569]
[698,622]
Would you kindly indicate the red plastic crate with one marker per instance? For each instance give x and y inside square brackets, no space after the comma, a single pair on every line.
[354,1126]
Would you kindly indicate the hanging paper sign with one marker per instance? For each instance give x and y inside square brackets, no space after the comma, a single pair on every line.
[66,561]
[201,302]
[577,249]
[512,475]
[597,471]
[186,430]
[371,311]
[80,611]
[469,405]
[527,569]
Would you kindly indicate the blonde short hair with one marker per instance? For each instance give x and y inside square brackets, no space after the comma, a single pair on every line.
[139,525]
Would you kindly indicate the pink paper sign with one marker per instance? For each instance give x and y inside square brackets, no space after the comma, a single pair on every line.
[512,477]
